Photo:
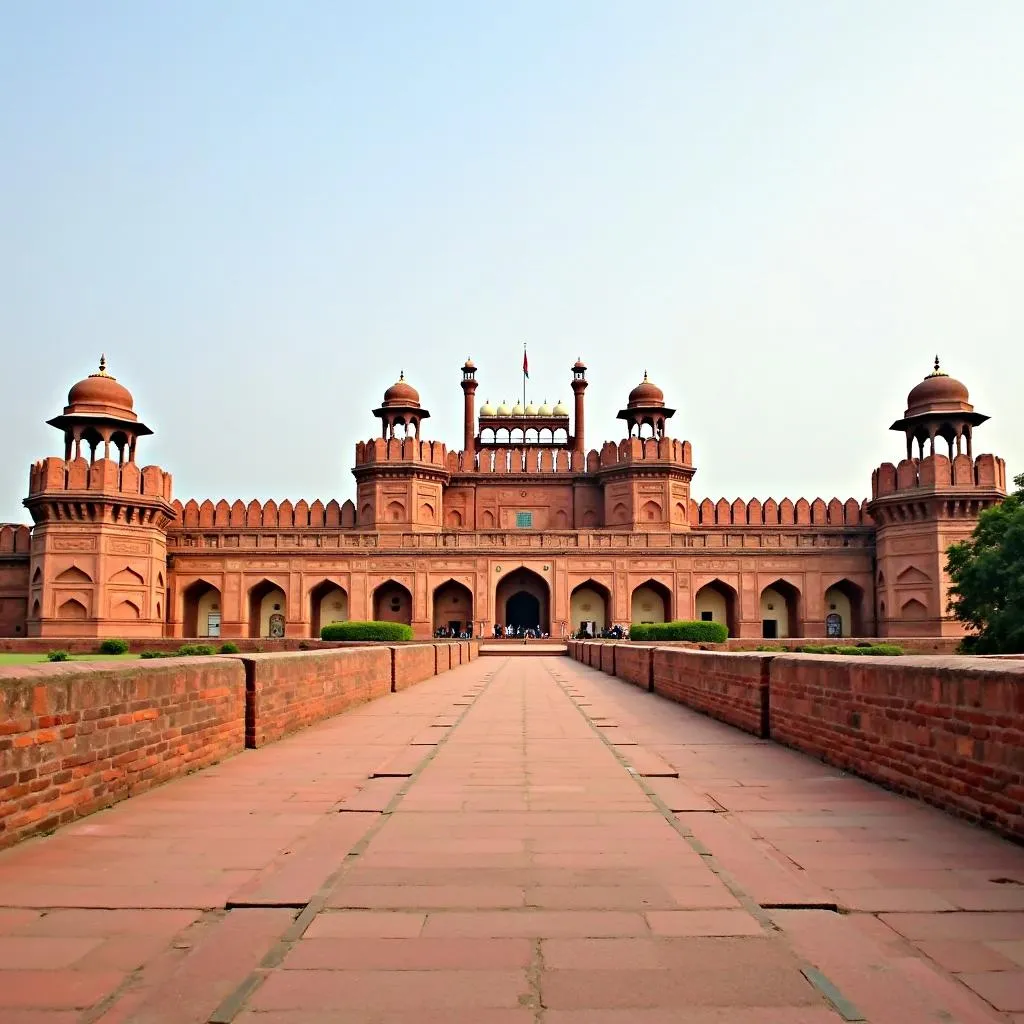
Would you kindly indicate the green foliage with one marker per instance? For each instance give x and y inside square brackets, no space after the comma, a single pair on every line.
[57,655]
[876,650]
[158,654]
[698,632]
[229,648]
[987,576]
[114,646]
[770,647]
[366,631]
[196,650]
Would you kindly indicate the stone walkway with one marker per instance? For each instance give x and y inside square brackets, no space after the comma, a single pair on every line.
[519,840]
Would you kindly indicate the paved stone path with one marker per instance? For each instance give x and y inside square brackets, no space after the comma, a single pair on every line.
[538,842]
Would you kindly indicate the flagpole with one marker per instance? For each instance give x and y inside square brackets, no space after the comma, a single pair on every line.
[524,374]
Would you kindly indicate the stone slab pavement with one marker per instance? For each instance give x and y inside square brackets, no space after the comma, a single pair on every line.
[518,840]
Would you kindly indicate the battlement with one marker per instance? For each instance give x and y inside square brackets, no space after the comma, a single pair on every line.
[14,539]
[104,476]
[548,459]
[268,515]
[405,449]
[772,513]
[936,472]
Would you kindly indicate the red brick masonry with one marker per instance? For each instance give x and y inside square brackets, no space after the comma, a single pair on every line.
[79,736]
[949,730]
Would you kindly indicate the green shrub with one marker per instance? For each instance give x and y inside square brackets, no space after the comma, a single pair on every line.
[229,648]
[876,650]
[114,646]
[57,655]
[366,631]
[158,654]
[770,647]
[196,650]
[699,632]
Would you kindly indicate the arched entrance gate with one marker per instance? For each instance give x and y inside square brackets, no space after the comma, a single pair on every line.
[523,598]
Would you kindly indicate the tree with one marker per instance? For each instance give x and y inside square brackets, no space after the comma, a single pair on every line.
[987,573]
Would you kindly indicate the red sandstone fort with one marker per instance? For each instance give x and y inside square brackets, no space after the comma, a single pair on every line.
[522,526]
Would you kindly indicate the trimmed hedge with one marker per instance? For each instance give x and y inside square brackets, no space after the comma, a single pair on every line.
[230,648]
[877,650]
[366,631]
[699,632]
[57,656]
[114,646]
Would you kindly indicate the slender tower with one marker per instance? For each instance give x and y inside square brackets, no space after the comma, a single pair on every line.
[579,385]
[469,385]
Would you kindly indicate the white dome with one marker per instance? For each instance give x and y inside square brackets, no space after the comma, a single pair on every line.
[531,410]
[504,410]
[487,409]
[544,410]
[560,410]
[518,410]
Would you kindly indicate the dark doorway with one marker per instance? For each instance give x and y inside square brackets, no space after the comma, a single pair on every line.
[522,609]
[769,629]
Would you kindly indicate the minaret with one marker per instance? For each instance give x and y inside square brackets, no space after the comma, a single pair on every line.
[579,385]
[99,549]
[469,385]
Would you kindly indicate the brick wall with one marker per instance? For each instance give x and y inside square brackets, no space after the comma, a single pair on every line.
[949,730]
[730,687]
[78,737]
[634,664]
[413,664]
[288,692]
[608,658]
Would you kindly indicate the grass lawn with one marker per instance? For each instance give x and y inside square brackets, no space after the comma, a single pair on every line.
[30,659]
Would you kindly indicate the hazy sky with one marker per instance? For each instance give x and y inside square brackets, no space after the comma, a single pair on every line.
[263,211]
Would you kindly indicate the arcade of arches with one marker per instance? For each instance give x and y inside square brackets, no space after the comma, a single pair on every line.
[523,598]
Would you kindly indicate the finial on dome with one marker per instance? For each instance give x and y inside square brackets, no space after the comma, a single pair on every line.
[645,375]
[401,374]
[103,362]
[938,372]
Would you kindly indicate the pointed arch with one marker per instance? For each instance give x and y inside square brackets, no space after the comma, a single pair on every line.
[781,612]
[392,602]
[453,606]
[716,601]
[590,602]
[201,609]
[520,597]
[128,577]
[126,610]
[72,609]
[328,602]
[844,599]
[73,575]
[914,610]
[268,609]
[651,601]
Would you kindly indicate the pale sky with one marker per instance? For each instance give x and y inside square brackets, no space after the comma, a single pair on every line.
[263,211]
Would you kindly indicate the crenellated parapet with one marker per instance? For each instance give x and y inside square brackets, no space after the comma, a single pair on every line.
[69,489]
[401,450]
[15,539]
[986,472]
[771,513]
[269,515]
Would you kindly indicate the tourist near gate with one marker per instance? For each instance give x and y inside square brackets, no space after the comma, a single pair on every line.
[522,525]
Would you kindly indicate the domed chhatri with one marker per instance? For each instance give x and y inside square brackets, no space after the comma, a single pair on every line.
[531,409]
[544,409]
[938,392]
[560,409]
[101,395]
[503,409]
[487,409]
[518,410]
[646,394]
[401,394]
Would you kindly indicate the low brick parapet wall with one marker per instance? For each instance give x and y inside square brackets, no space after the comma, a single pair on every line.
[76,737]
[288,692]
[79,736]
[730,687]
[947,729]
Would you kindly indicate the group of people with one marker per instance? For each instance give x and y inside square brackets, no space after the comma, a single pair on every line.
[451,633]
[511,632]
[611,633]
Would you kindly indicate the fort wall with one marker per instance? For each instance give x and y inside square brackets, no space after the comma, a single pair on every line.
[948,731]
[79,736]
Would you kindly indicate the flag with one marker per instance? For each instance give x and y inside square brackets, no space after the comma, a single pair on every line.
[526,366]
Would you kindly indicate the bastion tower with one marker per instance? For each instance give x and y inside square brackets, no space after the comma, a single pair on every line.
[927,502]
[98,558]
